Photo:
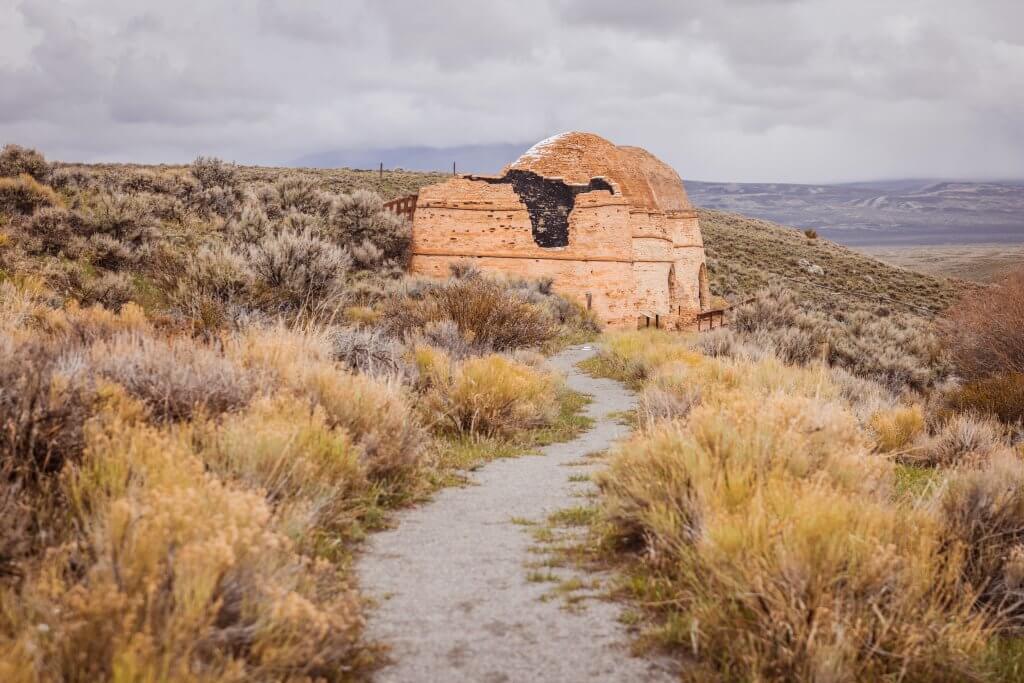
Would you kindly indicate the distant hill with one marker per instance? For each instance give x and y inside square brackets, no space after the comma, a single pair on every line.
[910,212]
[747,254]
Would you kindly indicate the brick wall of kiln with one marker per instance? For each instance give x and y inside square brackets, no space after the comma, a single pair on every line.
[610,283]
[488,223]
[688,256]
[631,261]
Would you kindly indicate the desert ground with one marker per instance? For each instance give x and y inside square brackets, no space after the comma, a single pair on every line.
[983,263]
[242,442]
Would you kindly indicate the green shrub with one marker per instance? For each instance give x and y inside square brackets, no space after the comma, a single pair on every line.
[298,269]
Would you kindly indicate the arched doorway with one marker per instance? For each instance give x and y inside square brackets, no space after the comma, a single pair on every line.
[703,288]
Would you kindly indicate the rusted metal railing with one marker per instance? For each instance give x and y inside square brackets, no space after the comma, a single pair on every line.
[706,319]
[403,206]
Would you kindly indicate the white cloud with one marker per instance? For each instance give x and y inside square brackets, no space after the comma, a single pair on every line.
[785,90]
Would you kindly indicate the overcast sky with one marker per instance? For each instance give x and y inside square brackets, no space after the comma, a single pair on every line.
[742,90]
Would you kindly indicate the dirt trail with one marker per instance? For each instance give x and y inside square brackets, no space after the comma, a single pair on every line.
[455,603]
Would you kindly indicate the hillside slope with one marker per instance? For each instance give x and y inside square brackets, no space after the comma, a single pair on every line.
[744,254]
[747,254]
[389,184]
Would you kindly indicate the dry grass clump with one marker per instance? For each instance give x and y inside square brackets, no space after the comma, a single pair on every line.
[369,351]
[766,536]
[24,194]
[961,439]
[489,396]
[896,428]
[377,414]
[982,515]
[311,472]
[985,331]
[999,395]
[633,356]
[783,558]
[667,396]
[177,576]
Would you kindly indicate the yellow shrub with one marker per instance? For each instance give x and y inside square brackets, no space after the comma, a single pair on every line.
[310,472]
[632,356]
[178,576]
[494,395]
[376,413]
[896,428]
[433,366]
[361,315]
[25,194]
[774,528]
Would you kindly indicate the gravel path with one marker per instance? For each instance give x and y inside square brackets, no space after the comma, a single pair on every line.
[451,579]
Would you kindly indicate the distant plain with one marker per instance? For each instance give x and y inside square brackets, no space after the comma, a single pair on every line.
[978,262]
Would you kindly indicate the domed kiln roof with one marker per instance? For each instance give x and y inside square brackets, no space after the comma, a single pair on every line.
[643,179]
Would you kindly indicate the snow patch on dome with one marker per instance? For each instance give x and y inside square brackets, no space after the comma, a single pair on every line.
[536,152]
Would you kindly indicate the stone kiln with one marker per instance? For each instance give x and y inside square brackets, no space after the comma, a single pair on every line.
[612,226]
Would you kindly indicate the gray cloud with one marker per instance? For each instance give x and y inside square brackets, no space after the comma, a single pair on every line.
[780,90]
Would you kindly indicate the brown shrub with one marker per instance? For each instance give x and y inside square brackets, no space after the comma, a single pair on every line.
[15,160]
[111,290]
[44,404]
[982,517]
[52,230]
[999,395]
[985,331]
[211,171]
[25,194]
[490,396]
[895,428]
[961,440]
[488,314]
